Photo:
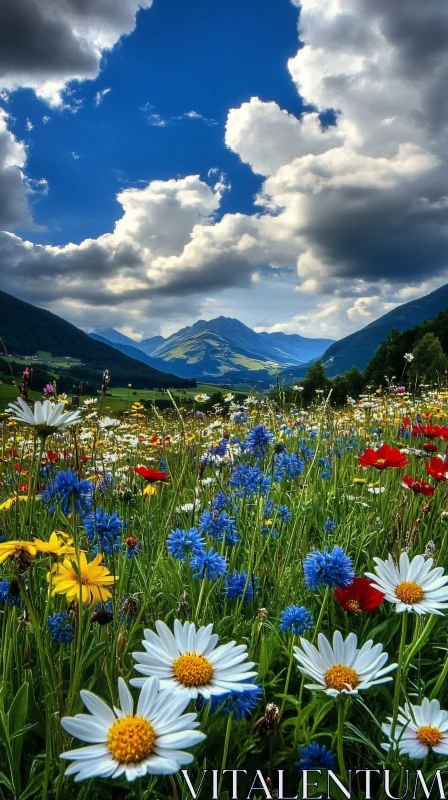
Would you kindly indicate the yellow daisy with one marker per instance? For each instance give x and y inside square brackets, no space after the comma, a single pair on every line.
[16,549]
[56,545]
[88,581]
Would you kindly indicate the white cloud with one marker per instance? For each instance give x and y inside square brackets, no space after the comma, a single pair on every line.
[99,97]
[45,45]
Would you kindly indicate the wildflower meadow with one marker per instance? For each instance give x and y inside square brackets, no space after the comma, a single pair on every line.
[261,586]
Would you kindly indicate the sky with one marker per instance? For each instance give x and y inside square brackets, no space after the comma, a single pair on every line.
[277,161]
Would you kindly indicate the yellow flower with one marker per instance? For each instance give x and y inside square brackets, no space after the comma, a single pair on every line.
[16,548]
[11,501]
[56,545]
[150,490]
[88,580]
[359,480]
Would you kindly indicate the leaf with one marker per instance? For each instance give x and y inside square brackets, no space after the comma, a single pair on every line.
[33,787]
[6,782]
[93,654]
[17,719]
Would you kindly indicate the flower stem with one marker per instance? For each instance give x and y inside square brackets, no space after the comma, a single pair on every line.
[341,719]
[401,671]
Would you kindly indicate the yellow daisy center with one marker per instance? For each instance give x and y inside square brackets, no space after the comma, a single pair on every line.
[354,606]
[429,735]
[192,669]
[340,677]
[409,593]
[131,739]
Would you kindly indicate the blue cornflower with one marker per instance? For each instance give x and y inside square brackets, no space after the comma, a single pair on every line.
[295,466]
[284,513]
[218,526]
[240,705]
[219,449]
[10,594]
[235,585]
[104,531]
[163,465]
[249,480]
[70,493]
[326,474]
[210,564]
[328,569]
[268,507]
[106,482]
[306,451]
[315,757]
[181,544]
[61,627]
[221,501]
[296,619]
[239,417]
[257,441]
[329,525]
[290,465]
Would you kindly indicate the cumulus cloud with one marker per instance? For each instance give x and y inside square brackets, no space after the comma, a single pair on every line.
[44,45]
[14,189]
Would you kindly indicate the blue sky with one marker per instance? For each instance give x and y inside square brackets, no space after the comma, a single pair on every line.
[279,161]
[203,56]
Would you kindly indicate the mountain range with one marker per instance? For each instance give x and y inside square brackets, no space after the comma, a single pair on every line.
[222,348]
[26,330]
[357,349]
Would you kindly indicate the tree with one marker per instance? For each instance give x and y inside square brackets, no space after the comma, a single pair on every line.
[430,362]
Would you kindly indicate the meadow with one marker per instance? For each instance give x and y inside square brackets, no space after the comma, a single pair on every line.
[257,587]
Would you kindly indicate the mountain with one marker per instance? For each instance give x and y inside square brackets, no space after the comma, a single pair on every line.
[226,348]
[26,330]
[357,349]
[114,337]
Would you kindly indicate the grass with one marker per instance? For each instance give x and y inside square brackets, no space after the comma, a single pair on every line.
[259,573]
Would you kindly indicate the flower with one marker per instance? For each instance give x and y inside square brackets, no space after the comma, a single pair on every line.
[189,661]
[182,543]
[18,550]
[61,627]
[418,487]
[408,357]
[297,619]
[328,569]
[201,398]
[147,742]
[239,705]
[412,585]
[236,587]
[329,525]
[46,417]
[437,468]
[314,757]
[69,492]
[342,668]
[104,529]
[10,593]
[359,596]
[86,581]
[150,474]
[218,525]
[420,729]
[257,441]
[58,544]
[108,423]
[383,458]
[210,564]
[249,480]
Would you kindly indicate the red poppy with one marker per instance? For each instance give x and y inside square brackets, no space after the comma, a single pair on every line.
[53,457]
[151,475]
[430,448]
[13,453]
[23,487]
[406,421]
[85,458]
[17,467]
[430,431]
[418,487]
[386,456]
[437,468]
[359,597]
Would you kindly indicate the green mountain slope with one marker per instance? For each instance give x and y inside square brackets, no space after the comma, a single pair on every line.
[357,349]
[26,330]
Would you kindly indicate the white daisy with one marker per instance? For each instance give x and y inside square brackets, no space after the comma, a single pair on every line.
[108,423]
[201,398]
[147,742]
[419,730]
[342,668]
[46,417]
[412,585]
[189,662]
